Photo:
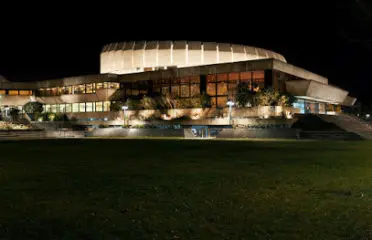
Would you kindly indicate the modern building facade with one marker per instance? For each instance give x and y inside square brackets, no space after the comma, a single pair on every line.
[179,68]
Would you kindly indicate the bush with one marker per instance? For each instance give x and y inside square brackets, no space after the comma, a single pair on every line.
[33,107]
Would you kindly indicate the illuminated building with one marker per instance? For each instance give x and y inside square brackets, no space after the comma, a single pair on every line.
[179,68]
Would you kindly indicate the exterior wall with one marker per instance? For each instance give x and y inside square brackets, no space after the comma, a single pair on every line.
[129,57]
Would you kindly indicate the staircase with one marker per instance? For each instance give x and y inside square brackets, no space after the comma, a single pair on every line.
[350,123]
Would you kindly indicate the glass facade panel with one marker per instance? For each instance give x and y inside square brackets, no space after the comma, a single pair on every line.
[99,106]
[195,89]
[79,89]
[211,89]
[221,101]
[68,107]
[62,108]
[175,91]
[25,92]
[89,107]
[75,107]
[13,92]
[2,92]
[185,91]
[222,77]
[90,88]
[222,88]
[106,106]
[47,108]
[53,108]
[82,107]
[99,86]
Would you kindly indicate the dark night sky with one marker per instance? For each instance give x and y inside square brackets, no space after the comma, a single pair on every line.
[333,39]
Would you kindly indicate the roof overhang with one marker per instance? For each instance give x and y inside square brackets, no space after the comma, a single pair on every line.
[316,91]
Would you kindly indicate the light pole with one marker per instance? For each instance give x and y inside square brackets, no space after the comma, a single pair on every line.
[124,108]
[230,103]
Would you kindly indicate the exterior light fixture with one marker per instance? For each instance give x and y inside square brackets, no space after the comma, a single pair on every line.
[230,103]
[368,115]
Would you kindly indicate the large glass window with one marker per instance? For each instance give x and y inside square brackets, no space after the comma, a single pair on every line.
[67,90]
[62,108]
[195,89]
[211,89]
[82,107]
[99,106]
[13,92]
[75,107]
[106,106]
[222,88]
[2,92]
[99,86]
[113,85]
[90,88]
[185,91]
[25,92]
[79,89]
[175,91]
[68,107]
[53,108]
[47,108]
[89,107]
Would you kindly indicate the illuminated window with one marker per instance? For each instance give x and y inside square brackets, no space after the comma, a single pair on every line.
[43,108]
[135,92]
[53,108]
[75,107]
[25,92]
[89,107]
[47,108]
[106,106]
[2,92]
[211,78]
[105,85]
[79,89]
[99,86]
[233,77]
[195,79]
[221,101]
[113,85]
[175,91]
[222,77]
[62,108]
[211,89]
[82,107]
[185,91]
[245,76]
[90,88]
[68,107]
[165,90]
[67,90]
[99,106]
[13,92]
[195,89]
[54,91]
[222,88]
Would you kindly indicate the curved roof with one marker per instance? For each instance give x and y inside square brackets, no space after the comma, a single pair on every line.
[128,57]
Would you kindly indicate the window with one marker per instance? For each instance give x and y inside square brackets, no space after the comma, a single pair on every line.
[62,108]
[2,92]
[222,77]
[99,106]
[53,108]
[68,107]
[222,88]
[175,91]
[106,106]
[165,90]
[13,92]
[67,90]
[79,89]
[89,107]
[90,88]
[47,108]
[211,89]
[113,85]
[82,107]
[25,92]
[185,91]
[105,85]
[195,89]
[75,107]
[99,86]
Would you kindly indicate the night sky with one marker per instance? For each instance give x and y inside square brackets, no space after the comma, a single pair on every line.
[331,38]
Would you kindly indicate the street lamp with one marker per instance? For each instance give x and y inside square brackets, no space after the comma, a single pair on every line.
[230,103]
[124,108]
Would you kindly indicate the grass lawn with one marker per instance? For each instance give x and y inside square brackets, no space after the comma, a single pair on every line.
[178,189]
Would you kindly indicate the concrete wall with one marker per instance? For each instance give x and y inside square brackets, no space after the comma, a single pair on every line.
[121,132]
[129,57]
[257,133]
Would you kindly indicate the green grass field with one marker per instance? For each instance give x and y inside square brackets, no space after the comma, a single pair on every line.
[163,189]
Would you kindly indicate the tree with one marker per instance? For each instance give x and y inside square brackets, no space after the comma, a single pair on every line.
[33,107]
[205,100]
[285,100]
[116,106]
[243,95]
[148,102]
[268,97]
